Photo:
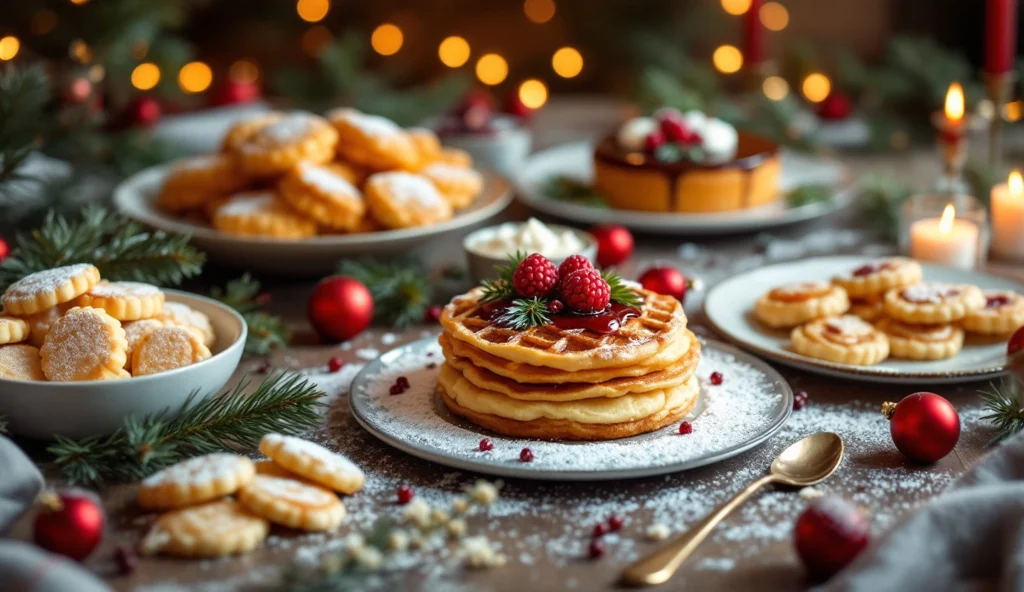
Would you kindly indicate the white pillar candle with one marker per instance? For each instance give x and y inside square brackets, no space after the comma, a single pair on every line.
[1008,217]
[946,240]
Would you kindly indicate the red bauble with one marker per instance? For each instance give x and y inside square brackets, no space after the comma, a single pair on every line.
[143,112]
[836,106]
[666,280]
[924,426]
[340,308]
[69,523]
[5,250]
[614,244]
[829,534]
[234,92]
[1014,345]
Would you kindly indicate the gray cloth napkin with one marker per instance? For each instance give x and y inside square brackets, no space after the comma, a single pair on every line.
[23,566]
[970,537]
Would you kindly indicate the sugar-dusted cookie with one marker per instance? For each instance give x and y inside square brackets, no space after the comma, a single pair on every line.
[922,342]
[795,304]
[932,303]
[215,529]
[125,301]
[314,462]
[283,143]
[428,146]
[869,309]
[39,291]
[455,157]
[875,278]
[292,503]
[372,141]
[40,322]
[84,344]
[459,185]
[843,340]
[324,194]
[402,200]
[195,481]
[271,469]
[196,180]
[241,131]
[134,332]
[1003,313]
[176,313]
[20,362]
[261,213]
[166,348]
[13,329]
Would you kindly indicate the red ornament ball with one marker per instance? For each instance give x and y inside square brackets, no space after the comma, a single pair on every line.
[614,244]
[1014,345]
[829,534]
[836,106]
[144,112]
[5,249]
[432,314]
[234,92]
[665,280]
[69,523]
[515,106]
[924,426]
[586,291]
[535,276]
[340,308]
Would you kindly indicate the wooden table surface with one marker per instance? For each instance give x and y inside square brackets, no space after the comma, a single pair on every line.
[543,528]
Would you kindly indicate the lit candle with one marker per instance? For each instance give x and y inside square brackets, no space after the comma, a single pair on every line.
[753,35]
[945,240]
[1000,35]
[1008,217]
[953,109]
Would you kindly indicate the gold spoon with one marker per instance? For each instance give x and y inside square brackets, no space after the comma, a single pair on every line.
[806,462]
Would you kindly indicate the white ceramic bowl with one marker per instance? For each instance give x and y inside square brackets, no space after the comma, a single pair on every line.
[505,150]
[482,265]
[81,409]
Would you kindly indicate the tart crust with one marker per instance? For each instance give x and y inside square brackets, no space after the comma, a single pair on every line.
[864,345]
[922,342]
[932,303]
[796,304]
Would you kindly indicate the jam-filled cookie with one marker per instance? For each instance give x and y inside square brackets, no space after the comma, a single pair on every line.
[278,146]
[261,213]
[843,340]
[459,185]
[922,342]
[84,344]
[795,304]
[402,200]
[932,303]
[372,141]
[870,309]
[428,146]
[877,277]
[1003,313]
[324,194]
[39,291]
[195,181]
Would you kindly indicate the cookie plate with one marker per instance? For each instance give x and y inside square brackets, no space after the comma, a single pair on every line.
[751,404]
[729,308]
[576,161]
[136,197]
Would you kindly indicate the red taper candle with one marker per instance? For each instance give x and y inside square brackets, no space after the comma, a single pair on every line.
[753,35]
[1000,35]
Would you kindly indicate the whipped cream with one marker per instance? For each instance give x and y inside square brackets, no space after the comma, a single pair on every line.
[718,137]
[532,236]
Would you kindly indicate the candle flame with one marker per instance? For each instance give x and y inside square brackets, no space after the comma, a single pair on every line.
[955,102]
[1015,183]
[946,223]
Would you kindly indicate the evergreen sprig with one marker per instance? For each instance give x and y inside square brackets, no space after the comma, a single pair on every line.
[620,292]
[266,331]
[1004,409]
[808,194]
[23,96]
[285,403]
[569,189]
[524,313]
[501,288]
[401,290]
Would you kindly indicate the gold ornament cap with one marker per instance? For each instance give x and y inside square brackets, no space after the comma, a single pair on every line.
[888,408]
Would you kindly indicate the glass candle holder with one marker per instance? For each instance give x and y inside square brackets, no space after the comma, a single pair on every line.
[950,230]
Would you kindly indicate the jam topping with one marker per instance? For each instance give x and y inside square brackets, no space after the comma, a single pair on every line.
[929,293]
[800,292]
[872,268]
[607,321]
[996,300]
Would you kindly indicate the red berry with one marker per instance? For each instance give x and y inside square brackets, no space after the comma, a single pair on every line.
[614,244]
[535,276]
[335,364]
[126,560]
[615,522]
[555,306]
[675,130]
[573,263]
[586,291]
[653,140]
[829,534]
[1016,342]
[526,455]
[686,428]
[265,367]
[396,389]
[402,382]
[263,298]
[600,529]
[799,400]
[432,314]
[486,445]
[405,494]
[5,250]
[835,106]
[596,549]
[716,378]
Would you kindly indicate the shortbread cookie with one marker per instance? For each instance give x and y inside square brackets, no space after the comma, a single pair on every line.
[932,303]
[215,529]
[292,503]
[271,469]
[176,313]
[195,181]
[922,342]
[323,194]
[313,462]
[134,332]
[1003,313]
[84,344]
[875,278]
[45,289]
[167,348]
[459,185]
[195,481]
[20,362]
[240,132]
[869,309]
[284,143]
[261,213]
[39,324]
[13,329]
[843,340]
[372,141]
[455,157]
[795,304]
[403,200]
[125,301]
[428,146]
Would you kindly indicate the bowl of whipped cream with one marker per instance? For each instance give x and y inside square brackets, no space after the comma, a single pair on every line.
[489,247]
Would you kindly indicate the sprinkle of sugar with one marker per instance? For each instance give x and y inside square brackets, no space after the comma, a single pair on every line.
[408,188]
[292,491]
[197,163]
[443,170]
[80,342]
[49,280]
[367,353]
[114,289]
[200,470]
[290,128]
[247,204]
[326,180]
[374,126]
[850,325]
[331,461]
[929,292]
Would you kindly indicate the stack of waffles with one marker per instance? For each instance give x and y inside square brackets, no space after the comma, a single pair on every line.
[575,384]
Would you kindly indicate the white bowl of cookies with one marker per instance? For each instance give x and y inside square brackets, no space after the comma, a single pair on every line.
[78,354]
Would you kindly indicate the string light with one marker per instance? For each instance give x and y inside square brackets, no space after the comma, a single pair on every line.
[195,77]
[736,7]
[97,73]
[816,87]
[567,62]
[244,71]
[79,2]
[315,40]
[775,88]
[386,39]
[80,52]
[43,22]
[312,11]
[9,47]
[453,51]
[145,76]
[774,16]
[533,93]
[491,69]
[539,11]
[1013,111]
[727,59]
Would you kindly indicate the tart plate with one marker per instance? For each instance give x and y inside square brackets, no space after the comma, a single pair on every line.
[417,422]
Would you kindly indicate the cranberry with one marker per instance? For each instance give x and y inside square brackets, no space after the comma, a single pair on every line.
[402,382]
[335,364]
[430,354]
[263,298]
[405,494]
[486,445]
[126,560]
[799,400]
[555,306]
[716,378]
[396,390]
[600,529]
[432,314]
[615,522]
[596,549]
[265,367]
[525,455]
[686,428]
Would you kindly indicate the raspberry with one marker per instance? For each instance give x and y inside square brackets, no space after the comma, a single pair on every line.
[586,291]
[573,263]
[716,378]
[653,141]
[555,306]
[525,455]
[396,389]
[486,445]
[535,276]
[335,364]
[404,494]
[686,428]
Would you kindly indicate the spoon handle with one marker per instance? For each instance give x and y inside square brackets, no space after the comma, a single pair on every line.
[658,567]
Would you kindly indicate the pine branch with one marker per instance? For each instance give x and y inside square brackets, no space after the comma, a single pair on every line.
[285,403]
[524,313]
[620,292]
[1005,411]
[495,290]
[401,290]
[23,96]
[266,331]
[565,188]
[808,194]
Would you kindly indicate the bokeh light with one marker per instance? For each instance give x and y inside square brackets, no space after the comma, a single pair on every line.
[244,71]
[727,59]
[145,76]
[816,87]
[312,11]
[774,16]
[80,52]
[533,93]
[775,88]
[43,22]
[195,77]
[1013,111]
[387,39]
[491,69]
[97,73]
[79,1]
[539,11]
[736,7]
[315,40]
[453,51]
[9,47]
[567,62]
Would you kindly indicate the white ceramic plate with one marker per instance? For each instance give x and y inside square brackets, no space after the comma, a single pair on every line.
[417,422]
[83,409]
[576,161]
[729,308]
[135,198]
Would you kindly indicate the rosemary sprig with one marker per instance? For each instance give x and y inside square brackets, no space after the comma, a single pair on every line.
[266,331]
[620,292]
[401,290]
[283,402]
[524,313]
[1005,411]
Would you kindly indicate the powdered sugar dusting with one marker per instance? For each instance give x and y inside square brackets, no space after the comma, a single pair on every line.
[326,180]
[929,292]
[80,342]
[370,125]
[297,446]
[246,204]
[408,188]
[113,289]
[292,491]
[443,170]
[49,280]
[199,470]
[289,128]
